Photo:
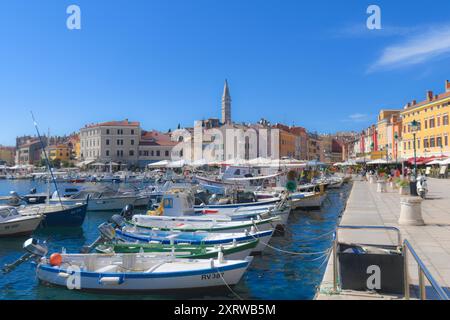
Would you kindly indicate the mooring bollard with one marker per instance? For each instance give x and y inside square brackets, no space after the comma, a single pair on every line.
[411,211]
[381,186]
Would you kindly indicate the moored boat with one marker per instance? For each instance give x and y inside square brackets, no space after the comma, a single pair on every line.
[138,272]
[233,251]
[134,234]
[12,223]
[56,215]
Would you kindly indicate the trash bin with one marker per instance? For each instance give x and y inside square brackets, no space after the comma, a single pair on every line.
[371,268]
[413,188]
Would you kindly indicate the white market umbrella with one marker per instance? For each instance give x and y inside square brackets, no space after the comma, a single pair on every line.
[177,164]
[159,164]
[378,161]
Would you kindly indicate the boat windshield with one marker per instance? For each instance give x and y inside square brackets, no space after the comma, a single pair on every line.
[8,213]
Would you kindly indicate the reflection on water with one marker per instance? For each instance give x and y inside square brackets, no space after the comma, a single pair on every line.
[273,275]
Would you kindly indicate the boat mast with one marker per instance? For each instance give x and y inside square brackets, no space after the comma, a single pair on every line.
[46,158]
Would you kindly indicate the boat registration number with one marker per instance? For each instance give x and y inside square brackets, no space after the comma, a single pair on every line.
[211,276]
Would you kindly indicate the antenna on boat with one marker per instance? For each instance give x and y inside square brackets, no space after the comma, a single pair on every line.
[46,158]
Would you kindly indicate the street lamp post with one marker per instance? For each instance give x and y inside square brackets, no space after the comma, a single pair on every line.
[396,147]
[414,125]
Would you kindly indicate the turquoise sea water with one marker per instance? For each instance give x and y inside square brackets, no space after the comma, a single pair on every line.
[273,275]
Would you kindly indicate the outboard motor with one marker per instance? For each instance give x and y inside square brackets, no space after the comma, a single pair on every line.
[33,191]
[107,233]
[14,199]
[117,221]
[127,212]
[34,250]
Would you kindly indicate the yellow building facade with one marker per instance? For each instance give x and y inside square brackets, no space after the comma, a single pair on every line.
[60,152]
[433,131]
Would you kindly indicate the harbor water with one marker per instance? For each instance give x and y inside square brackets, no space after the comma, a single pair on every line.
[291,268]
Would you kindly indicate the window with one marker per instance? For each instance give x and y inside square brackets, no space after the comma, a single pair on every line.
[439,141]
[426,124]
[158,153]
[425,143]
[445,120]
[107,153]
[131,153]
[418,143]
[146,153]
[446,140]
[432,123]
[438,121]
[153,153]
[107,131]
[132,142]
[107,142]
[432,142]
[132,131]
[409,145]
[167,153]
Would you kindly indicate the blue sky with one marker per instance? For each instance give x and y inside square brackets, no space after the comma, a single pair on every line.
[163,62]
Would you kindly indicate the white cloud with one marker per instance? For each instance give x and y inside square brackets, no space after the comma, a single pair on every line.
[431,43]
[358,117]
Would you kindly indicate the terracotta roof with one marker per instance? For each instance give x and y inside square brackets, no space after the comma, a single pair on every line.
[156,138]
[422,103]
[123,123]
[25,145]
[8,148]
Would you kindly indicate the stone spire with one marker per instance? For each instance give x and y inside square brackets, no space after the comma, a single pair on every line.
[226,104]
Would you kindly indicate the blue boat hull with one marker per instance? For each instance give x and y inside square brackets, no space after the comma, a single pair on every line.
[191,238]
[71,217]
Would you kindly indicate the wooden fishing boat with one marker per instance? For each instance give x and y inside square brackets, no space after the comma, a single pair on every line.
[133,234]
[56,215]
[125,273]
[232,251]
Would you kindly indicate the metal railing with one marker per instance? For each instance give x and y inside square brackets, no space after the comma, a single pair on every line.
[405,247]
[423,271]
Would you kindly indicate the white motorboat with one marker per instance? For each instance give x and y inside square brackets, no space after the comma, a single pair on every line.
[12,223]
[103,198]
[176,209]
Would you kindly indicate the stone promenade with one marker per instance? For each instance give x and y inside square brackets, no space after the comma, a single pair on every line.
[431,242]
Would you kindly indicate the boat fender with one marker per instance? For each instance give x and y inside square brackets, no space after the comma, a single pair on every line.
[211,261]
[63,275]
[55,260]
[234,243]
[252,230]
[111,280]
[220,254]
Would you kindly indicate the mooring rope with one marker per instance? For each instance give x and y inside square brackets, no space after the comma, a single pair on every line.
[286,251]
[228,286]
